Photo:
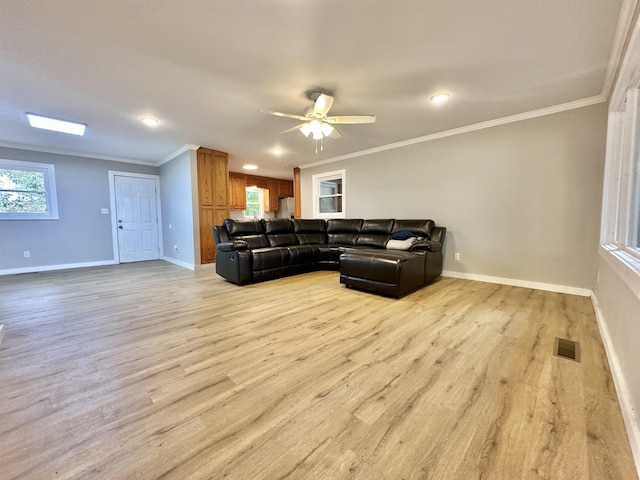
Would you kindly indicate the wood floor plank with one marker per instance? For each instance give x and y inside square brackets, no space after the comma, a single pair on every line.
[149,371]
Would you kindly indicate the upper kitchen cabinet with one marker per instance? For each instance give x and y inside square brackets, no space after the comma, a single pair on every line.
[238,191]
[274,188]
[285,188]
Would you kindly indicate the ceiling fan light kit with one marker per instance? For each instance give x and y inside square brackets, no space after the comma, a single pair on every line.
[316,123]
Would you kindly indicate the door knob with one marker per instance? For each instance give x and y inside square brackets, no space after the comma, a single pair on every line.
[120,227]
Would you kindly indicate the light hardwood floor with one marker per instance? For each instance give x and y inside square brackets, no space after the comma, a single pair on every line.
[149,371]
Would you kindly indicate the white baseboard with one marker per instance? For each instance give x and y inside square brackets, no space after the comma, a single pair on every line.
[628,414]
[46,268]
[549,287]
[179,263]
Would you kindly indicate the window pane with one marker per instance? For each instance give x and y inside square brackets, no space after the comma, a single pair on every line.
[330,204]
[22,202]
[331,187]
[255,202]
[329,199]
[252,196]
[22,191]
[253,210]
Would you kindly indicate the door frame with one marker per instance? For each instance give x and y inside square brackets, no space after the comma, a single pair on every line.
[112,200]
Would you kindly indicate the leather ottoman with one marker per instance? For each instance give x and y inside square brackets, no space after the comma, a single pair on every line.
[390,272]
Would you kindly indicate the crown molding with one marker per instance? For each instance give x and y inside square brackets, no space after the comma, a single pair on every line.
[622,33]
[180,151]
[629,74]
[563,107]
[33,148]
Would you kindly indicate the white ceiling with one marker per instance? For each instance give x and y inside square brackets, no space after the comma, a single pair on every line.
[204,68]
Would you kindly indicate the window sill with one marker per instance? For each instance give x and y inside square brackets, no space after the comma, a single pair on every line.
[328,216]
[625,264]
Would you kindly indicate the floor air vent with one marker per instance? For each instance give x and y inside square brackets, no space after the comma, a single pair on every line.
[567,349]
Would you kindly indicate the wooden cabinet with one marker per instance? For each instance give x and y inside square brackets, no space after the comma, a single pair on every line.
[285,188]
[237,190]
[272,205]
[255,181]
[213,198]
[276,188]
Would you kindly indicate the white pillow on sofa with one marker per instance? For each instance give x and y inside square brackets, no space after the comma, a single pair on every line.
[401,244]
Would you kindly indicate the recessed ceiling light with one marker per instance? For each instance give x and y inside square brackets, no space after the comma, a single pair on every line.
[55,125]
[250,167]
[278,152]
[150,122]
[440,97]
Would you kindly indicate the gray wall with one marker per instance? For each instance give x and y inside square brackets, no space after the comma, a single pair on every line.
[520,201]
[82,234]
[177,208]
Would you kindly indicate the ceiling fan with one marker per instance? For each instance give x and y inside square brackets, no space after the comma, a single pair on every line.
[316,121]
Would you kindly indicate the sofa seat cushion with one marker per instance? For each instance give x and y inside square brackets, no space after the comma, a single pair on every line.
[270,258]
[329,254]
[303,255]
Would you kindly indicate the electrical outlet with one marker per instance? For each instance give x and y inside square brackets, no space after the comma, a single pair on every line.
[104,211]
[27,254]
[175,247]
[456,256]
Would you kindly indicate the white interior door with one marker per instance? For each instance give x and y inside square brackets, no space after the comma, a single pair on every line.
[137,218]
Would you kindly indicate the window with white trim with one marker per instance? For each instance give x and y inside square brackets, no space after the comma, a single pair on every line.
[620,233]
[255,202]
[27,191]
[329,194]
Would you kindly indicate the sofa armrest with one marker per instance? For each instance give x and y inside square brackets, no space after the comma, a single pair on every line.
[438,234]
[232,246]
[427,245]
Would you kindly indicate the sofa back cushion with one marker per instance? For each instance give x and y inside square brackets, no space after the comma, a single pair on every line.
[375,233]
[422,228]
[343,231]
[279,232]
[251,231]
[310,232]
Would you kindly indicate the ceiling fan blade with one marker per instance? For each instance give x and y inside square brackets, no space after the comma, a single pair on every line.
[335,133]
[351,119]
[280,114]
[323,104]
[292,129]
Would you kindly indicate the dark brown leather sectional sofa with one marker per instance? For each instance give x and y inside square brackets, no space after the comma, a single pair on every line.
[256,250]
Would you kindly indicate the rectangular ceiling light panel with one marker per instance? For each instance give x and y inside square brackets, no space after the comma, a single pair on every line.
[46,123]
